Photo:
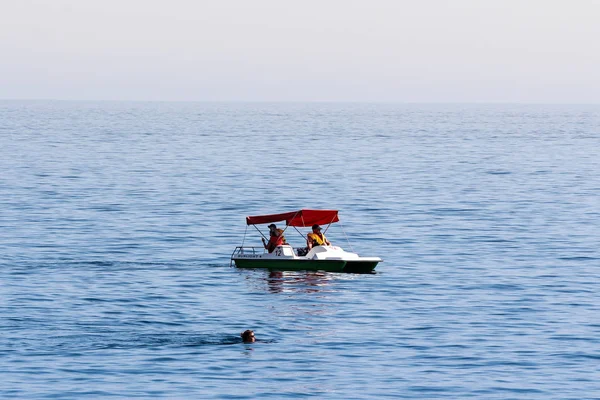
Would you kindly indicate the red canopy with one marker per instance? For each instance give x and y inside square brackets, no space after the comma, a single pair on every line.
[297,218]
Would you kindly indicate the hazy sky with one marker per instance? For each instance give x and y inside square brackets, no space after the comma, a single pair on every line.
[303,50]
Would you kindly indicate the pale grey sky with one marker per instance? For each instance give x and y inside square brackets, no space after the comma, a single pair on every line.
[544,51]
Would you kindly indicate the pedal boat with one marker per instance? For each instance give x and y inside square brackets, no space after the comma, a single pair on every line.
[288,258]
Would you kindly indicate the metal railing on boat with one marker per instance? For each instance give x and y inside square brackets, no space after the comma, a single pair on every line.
[244,250]
[298,251]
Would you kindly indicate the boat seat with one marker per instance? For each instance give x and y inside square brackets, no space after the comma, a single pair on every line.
[301,251]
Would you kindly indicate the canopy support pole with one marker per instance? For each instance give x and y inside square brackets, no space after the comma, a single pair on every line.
[346,236]
[298,230]
[329,224]
[244,239]
[286,225]
[261,234]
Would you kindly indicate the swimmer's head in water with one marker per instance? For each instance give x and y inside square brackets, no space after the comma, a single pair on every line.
[248,336]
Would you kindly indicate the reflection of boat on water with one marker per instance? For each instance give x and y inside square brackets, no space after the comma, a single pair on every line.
[297,281]
[288,258]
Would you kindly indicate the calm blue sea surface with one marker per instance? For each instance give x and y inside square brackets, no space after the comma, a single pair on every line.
[117,221]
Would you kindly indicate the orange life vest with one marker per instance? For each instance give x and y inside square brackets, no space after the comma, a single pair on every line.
[275,241]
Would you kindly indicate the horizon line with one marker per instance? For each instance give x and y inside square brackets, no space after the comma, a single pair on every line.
[302,101]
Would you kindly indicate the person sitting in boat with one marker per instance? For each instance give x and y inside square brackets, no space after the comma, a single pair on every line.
[316,238]
[276,238]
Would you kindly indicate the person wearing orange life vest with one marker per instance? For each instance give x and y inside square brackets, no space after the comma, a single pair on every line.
[276,238]
[316,238]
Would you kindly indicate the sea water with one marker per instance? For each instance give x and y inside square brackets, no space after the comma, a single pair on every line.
[117,222]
